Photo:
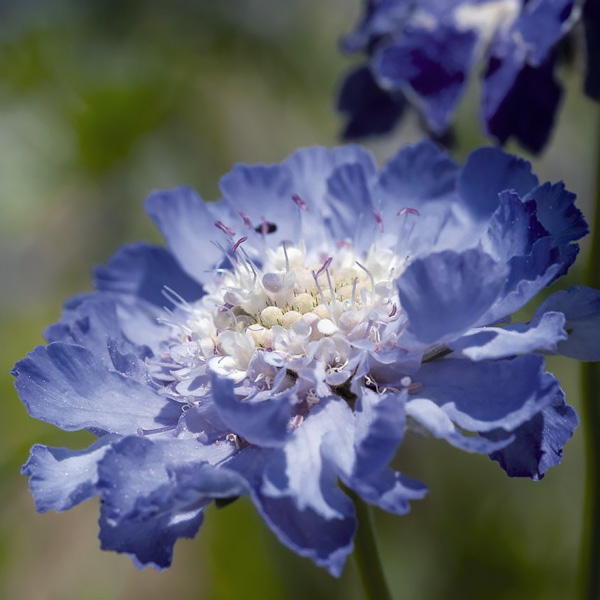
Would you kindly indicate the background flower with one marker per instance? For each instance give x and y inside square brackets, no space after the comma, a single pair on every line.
[278,360]
[424,53]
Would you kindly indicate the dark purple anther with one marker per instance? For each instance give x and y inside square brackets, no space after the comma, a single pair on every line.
[410,211]
[227,230]
[238,243]
[246,219]
[300,202]
[378,219]
[394,310]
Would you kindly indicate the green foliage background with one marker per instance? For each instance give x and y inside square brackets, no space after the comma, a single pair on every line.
[101,102]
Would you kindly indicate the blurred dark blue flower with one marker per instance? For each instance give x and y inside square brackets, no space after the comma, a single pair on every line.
[294,331]
[424,52]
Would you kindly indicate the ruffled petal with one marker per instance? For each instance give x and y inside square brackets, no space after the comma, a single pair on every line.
[68,386]
[543,334]
[444,294]
[415,176]
[153,493]
[489,171]
[263,194]
[581,307]
[92,321]
[325,540]
[380,422]
[556,210]
[188,226]
[389,490]
[142,272]
[435,420]
[538,443]
[513,228]
[60,478]
[305,469]
[350,206]
[482,396]
[264,423]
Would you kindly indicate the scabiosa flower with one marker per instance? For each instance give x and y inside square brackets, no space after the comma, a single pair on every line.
[424,52]
[295,330]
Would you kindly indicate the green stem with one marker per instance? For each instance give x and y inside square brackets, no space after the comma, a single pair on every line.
[366,554]
[590,409]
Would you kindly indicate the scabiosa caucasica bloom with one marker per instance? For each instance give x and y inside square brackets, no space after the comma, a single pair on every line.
[293,331]
[424,52]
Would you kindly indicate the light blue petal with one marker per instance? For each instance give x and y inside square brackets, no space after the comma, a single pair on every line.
[389,490]
[482,396]
[351,207]
[543,334]
[489,171]
[326,541]
[92,321]
[188,226]
[436,420]
[416,175]
[61,478]
[140,272]
[264,423]
[380,422]
[444,294]
[153,493]
[513,228]
[306,468]
[68,386]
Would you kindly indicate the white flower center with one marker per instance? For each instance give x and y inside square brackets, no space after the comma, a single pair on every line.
[296,312]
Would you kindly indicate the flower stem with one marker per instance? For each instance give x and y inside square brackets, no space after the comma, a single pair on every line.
[590,409]
[366,555]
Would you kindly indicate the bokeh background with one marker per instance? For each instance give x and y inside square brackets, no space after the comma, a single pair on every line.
[103,101]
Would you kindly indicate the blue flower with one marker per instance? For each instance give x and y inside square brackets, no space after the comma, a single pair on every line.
[423,53]
[294,332]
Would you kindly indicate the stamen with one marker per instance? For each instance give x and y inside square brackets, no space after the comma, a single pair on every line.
[264,228]
[325,266]
[238,243]
[378,219]
[301,204]
[331,290]
[354,284]
[319,290]
[227,230]
[287,260]
[370,277]
[143,432]
[171,295]
[410,211]
[246,219]
[394,311]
